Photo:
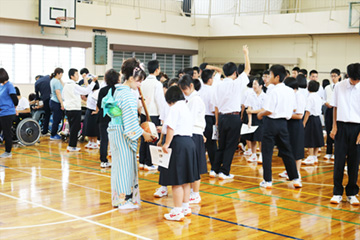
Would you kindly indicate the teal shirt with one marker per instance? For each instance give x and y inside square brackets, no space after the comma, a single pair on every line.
[55,84]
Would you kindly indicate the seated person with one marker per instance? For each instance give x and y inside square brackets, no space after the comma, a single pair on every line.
[23,107]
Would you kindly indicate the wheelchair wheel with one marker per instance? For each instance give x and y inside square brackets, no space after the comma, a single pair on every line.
[28,132]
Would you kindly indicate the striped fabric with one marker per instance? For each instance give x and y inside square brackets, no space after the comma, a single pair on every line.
[124,132]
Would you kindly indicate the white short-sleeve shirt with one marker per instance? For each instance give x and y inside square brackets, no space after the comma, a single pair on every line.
[280,102]
[300,103]
[23,104]
[346,99]
[179,119]
[255,101]
[197,109]
[314,104]
[207,95]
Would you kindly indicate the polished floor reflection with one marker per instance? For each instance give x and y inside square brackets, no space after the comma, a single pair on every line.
[47,193]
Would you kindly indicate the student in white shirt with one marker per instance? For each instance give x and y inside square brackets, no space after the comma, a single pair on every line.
[295,126]
[279,107]
[329,90]
[72,104]
[346,131]
[183,168]
[197,109]
[23,108]
[314,76]
[228,96]
[91,117]
[207,95]
[314,138]
[254,104]
[152,91]
[301,80]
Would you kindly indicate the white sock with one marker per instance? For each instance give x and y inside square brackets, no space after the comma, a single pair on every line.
[164,188]
[196,194]
[177,209]
[191,190]
[185,205]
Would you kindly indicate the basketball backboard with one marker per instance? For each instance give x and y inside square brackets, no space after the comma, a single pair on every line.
[49,10]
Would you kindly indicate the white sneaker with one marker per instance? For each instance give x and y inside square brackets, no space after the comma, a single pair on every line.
[187,212]
[150,168]
[260,159]
[336,199]
[248,152]
[267,185]
[128,205]
[327,156]
[353,200]
[222,176]
[253,158]
[72,149]
[141,166]
[161,192]
[297,183]
[105,164]
[212,174]
[94,146]
[284,175]
[6,155]
[174,216]
[194,199]
[308,161]
[88,145]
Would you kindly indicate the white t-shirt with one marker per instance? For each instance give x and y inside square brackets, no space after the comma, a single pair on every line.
[280,102]
[23,104]
[197,109]
[254,101]
[207,95]
[179,119]
[300,103]
[313,104]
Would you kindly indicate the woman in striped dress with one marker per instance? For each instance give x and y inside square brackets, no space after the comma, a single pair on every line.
[124,131]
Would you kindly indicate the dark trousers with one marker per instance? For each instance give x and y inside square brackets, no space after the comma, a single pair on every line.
[145,157]
[104,141]
[210,144]
[229,133]
[47,116]
[74,118]
[346,150]
[57,116]
[5,124]
[276,132]
[328,127]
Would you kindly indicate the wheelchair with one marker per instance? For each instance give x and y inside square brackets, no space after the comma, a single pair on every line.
[26,131]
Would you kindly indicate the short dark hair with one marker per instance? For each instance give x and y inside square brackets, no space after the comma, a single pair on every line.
[296,69]
[259,80]
[72,72]
[197,84]
[196,68]
[111,77]
[229,69]
[189,71]
[166,84]
[153,65]
[185,81]
[313,71]
[32,96]
[161,74]
[38,76]
[203,66]
[325,83]
[302,82]
[313,86]
[173,81]
[241,68]
[17,90]
[266,72]
[84,70]
[3,75]
[206,75]
[174,94]
[353,71]
[291,82]
[180,71]
[336,71]
[303,71]
[278,70]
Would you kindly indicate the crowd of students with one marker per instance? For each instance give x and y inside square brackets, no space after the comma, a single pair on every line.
[203,110]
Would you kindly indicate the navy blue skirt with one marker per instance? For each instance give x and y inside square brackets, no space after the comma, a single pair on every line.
[183,166]
[296,134]
[257,135]
[91,128]
[314,137]
[200,153]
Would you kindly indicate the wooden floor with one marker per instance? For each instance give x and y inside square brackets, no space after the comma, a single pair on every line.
[47,193]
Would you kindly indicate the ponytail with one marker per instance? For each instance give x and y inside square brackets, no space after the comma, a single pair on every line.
[56,71]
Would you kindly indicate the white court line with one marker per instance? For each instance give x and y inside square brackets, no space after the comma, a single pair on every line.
[56,223]
[74,216]
[247,166]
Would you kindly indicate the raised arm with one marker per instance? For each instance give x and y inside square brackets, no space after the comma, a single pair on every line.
[247,60]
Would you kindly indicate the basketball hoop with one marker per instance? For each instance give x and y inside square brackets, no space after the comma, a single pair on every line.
[65,23]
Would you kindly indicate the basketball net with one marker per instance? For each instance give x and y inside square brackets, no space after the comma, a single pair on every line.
[65,23]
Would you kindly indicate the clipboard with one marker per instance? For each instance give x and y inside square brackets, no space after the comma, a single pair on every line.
[246,130]
[160,158]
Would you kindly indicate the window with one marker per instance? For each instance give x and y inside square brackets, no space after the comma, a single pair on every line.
[23,61]
[169,63]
